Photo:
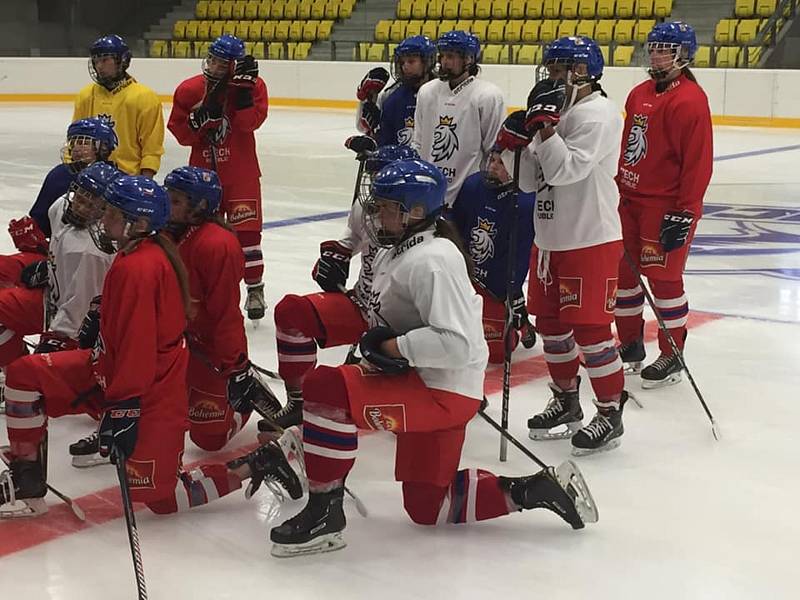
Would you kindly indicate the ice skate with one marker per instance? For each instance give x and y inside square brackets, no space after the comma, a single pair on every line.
[290,414]
[632,354]
[315,529]
[560,419]
[604,431]
[85,453]
[268,465]
[255,305]
[22,490]
[666,370]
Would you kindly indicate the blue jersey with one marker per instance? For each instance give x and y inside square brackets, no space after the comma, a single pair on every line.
[55,185]
[397,115]
[482,215]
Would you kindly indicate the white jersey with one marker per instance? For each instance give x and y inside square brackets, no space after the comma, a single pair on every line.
[358,242]
[77,270]
[421,290]
[454,129]
[573,174]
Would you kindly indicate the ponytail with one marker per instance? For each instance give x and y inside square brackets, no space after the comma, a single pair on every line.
[171,251]
[445,229]
[689,75]
[596,88]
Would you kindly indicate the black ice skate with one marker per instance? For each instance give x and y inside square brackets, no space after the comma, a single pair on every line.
[563,491]
[666,370]
[317,528]
[85,453]
[268,465]
[602,433]
[632,354]
[255,305]
[22,490]
[561,418]
[291,414]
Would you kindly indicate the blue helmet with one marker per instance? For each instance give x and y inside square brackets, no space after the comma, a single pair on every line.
[388,154]
[576,50]
[676,36]
[109,45]
[95,130]
[416,45]
[90,184]
[418,187]
[96,177]
[227,47]
[198,185]
[139,197]
[460,41]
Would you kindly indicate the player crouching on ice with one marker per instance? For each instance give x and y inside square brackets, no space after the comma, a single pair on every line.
[134,378]
[421,378]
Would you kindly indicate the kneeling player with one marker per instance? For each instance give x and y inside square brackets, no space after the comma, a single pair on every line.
[421,377]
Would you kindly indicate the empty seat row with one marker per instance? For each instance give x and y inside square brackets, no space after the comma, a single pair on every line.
[274,9]
[532,9]
[260,50]
[253,30]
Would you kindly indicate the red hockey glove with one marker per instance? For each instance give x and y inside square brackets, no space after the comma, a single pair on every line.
[27,235]
[372,84]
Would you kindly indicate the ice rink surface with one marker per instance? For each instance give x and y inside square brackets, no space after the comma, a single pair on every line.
[681,516]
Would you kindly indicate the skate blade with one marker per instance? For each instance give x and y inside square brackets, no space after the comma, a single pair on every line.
[649,384]
[632,368]
[604,448]
[572,480]
[548,435]
[21,509]
[635,400]
[292,445]
[89,460]
[326,543]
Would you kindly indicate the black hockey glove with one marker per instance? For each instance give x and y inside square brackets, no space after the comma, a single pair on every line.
[90,327]
[35,275]
[544,105]
[513,135]
[50,341]
[333,266]
[360,144]
[372,84]
[205,117]
[370,120]
[675,228]
[519,312]
[370,346]
[246,391]
[245,72]
[119,429]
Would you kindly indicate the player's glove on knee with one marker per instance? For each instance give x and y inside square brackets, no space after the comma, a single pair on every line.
[513,135]
[35,275]
[544,105]
[370,120]
[675,228]
[27,236]
[332,267]
[90,327]
[119,429]
[370,346]
[372,84]
[51,341]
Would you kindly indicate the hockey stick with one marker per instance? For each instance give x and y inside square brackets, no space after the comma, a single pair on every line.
[130,521]
[675,350]
[509,324]
[507,436]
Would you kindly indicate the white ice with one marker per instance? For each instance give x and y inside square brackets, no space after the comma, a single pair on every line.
[681,515]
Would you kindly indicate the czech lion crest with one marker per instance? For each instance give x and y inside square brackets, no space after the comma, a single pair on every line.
[445,140]
[636,148]
[481,241]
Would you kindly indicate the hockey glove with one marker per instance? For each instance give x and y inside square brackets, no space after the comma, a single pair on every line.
[370,346]
[90,327]
[245,72]
[27,236]
[119,429]
[205,117]
[370,120]
[35,275]
[519,312]
[675,228]
[51,341]
[333,266]
[372,84]
[544,105]
[513,134]
[246,391]
[360,144]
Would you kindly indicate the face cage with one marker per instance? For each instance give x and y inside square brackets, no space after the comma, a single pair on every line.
[373,226]
[101,239]
[491,181]
[83,140]
[106,80]
[428,67]
[207,68]
[680,58]
[70,215]
[448,76]
[364,187]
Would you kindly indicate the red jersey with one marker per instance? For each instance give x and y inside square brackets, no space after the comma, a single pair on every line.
[142,351]
[215,262]
[667,150]
[235,142]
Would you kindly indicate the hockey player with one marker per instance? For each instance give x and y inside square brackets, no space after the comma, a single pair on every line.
[331,318]
[421,377]
[387,113]
[88,140]
[133,109]
[482,213]
[216,113]
[457,115]
[134,378]
[578,238]
[664,170]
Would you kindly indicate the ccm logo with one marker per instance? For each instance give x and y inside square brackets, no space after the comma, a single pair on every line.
[121,413]
[679,219]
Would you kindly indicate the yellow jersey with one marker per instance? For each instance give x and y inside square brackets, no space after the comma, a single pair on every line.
[137,118]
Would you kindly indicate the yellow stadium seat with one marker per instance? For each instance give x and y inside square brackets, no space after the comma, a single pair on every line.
[382,30]
[191,30]
[642,28]
[604,31]
[527,55]
[724,31]
[238,9]
[275,51]
[567,27]
[750,56]
[419,9]
[277,9]
[376,53]
[623,56]
[491,54]
[404,9]
[212,12]
[264,10]
[248,47]
[644,9]
[317,9]
[533,9]
[746,31]
[181,49]
[569,9]
[251,11]
[586,9]
[390,48]
[304,11]
[290,47]
[332,10]
[436,10]
[499,9]
[605,9]
[302,50]
[216,29]
[179,30]
[290,9]
[243,30]
[397,32]
[702,58]
[495,31]
[345,10]
[429,29]
[744,8]
[268,30]
[530,31]
[296,30]
[201,9]
[506,54]
[282,31]
[310,30]
[324,30]
[258,51]
[662,8]
[450,9]
[158,49]
[360,51]
[226,9]
[551,9]
[765,8]
[479,28]
[604,52]
[229,27]
[414,28]
[513,31]
[256,30]
[516,9]
[445,26]
[623,32]
[625,9]
[466,9]
[483,9]
[203,30]
[201,49]
[464,25]
[585,28]
[548,30]
[727,57]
